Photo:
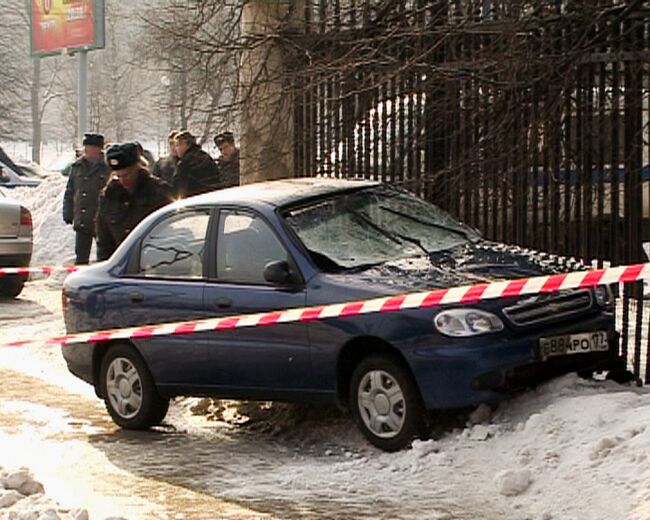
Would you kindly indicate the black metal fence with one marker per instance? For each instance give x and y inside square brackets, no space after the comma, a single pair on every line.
[528,121]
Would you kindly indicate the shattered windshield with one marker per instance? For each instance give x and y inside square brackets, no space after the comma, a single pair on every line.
[374,226]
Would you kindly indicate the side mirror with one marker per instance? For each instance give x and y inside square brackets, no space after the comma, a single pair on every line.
[4,177]
[278,273]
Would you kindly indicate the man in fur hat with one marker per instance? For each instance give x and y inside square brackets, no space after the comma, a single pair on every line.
[87,177]
[130,195]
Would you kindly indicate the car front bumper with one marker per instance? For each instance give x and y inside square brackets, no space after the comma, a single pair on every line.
[489,369]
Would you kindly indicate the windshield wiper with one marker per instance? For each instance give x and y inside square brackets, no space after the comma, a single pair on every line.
[425,222]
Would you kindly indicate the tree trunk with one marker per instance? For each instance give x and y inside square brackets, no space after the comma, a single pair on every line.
[267,111]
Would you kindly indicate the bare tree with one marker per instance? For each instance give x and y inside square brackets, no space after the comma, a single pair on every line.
[122,89]
[184,42]
[14,77]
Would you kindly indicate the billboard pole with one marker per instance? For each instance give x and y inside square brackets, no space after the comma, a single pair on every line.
[83,93]
[76,27]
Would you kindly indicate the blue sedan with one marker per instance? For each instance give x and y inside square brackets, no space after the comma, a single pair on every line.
[307,242]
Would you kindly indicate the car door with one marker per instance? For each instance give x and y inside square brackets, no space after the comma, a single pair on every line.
[264,357]
[166,282]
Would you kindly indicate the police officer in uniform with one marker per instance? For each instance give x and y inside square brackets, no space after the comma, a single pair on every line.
[130,195]
[87,178]
[228,162]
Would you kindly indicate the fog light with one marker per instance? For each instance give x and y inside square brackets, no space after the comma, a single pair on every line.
[604,295]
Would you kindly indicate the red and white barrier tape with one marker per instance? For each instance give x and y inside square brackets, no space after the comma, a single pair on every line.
[421,300]
[38,270]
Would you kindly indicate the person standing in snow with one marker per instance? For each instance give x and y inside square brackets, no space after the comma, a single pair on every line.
[165,166]
[87,177]
[228,163]
[130,195]
[196,172]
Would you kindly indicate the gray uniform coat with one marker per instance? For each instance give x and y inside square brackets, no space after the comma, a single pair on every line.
[80,201]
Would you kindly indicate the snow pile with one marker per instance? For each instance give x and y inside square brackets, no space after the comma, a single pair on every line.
[573,449]
[512,482]
[53,239]
[22,497]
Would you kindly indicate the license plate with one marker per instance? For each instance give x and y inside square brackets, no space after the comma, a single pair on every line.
[573,344]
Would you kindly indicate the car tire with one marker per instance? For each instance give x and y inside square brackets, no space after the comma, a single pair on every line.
[129,391]
[11,286]
[386,404]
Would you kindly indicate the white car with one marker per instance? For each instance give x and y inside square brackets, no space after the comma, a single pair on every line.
[33,170]
[16,241]
[12,178]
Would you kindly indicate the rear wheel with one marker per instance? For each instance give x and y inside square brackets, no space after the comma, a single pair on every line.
[11,286]
[129,391]
[386,404]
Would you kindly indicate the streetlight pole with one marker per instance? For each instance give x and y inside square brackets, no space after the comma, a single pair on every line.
[36,110]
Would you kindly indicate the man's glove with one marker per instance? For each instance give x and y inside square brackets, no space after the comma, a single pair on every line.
[67,220]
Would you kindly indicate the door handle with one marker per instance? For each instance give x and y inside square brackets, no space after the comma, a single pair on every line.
[223,303]
[136,297]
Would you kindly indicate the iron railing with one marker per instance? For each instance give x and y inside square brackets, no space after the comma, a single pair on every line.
[528,121]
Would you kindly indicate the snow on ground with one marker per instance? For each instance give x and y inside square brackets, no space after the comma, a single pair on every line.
[572,449]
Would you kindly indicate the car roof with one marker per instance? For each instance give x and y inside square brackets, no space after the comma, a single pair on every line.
[285,192]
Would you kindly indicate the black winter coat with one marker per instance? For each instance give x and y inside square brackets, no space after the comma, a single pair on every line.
[165,167]
[229,171]
[196,172]
[120,211]
[85,183]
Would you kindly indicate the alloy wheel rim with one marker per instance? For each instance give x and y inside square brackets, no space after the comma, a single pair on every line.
[381,404]
[124,387]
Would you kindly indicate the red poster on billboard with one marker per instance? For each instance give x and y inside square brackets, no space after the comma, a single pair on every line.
[63,24]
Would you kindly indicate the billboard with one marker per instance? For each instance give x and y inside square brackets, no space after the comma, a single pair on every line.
[66,25]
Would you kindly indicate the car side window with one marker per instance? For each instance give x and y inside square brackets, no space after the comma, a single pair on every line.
[245,245]
[174,248]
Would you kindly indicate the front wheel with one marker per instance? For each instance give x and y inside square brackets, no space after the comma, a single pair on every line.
[129,391]
[11,285]
[386,404]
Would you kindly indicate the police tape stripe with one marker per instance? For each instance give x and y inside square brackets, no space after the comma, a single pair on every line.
[38,270]
[465,294]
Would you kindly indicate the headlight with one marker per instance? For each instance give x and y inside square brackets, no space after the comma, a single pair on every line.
[462,323]
[604,295]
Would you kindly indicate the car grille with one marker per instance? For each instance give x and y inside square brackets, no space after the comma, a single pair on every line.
[549,308]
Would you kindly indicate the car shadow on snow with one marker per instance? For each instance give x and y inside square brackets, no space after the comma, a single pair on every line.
[245,452]
[20,309]
[239,460]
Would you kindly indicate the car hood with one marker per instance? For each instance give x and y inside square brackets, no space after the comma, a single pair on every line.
[467,264]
